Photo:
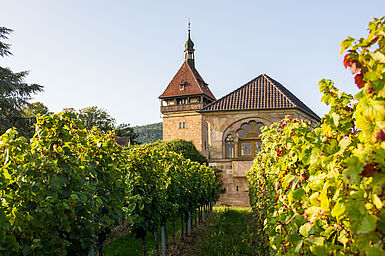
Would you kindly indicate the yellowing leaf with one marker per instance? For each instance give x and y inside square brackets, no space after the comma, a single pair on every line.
[305,229]
[6,174]
[336,118]
[324,199]
[377,201]
[344,143]
[378,56]
[338,209]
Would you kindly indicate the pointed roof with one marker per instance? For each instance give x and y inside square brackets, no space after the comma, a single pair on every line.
[189,45]
[262,92]
[192,83]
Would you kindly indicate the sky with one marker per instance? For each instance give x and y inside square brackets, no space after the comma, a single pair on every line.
[120,55]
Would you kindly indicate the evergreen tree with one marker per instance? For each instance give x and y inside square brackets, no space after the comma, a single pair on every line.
[14,92]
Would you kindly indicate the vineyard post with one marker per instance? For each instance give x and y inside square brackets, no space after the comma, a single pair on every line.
[189,224]
[165,232]
[156,238]
[186,223]
[181,224]
[173,231]
[163,228]
[144,249]
[203,213]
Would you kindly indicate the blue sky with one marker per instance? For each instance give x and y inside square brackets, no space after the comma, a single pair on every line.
[121,55]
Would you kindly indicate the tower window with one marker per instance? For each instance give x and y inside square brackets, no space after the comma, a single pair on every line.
[184,125]
[180,125]
[182,84]
[181,101]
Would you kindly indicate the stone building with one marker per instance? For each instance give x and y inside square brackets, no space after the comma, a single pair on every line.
[227,130]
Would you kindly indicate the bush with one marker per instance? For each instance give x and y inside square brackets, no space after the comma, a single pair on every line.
[182,147]
[321,191]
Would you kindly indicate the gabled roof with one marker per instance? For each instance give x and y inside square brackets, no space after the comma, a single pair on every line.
[262,92]
[192,82]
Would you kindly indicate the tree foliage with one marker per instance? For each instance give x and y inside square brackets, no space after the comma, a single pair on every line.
[182,147]
[33,109]
[321,191]
[14,92]
[124,130]
[149,133]
[95,117]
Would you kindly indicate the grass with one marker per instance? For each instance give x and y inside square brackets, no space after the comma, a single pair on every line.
[230,232]
[128,245]
[227,232]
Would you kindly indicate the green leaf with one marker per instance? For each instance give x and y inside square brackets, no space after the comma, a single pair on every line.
[338,209]
[367,225]
[299,245]
[294,238]
[74,197]
[305,229]
[371,76]
[346,44]
[336,118]
[374,251]
[318,241]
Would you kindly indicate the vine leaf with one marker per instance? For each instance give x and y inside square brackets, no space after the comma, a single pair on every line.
[367,225]
[305,229]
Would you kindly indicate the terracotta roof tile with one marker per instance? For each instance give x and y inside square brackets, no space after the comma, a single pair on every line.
[192,81]
[262,92]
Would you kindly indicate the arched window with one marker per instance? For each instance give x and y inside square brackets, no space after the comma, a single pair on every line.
[245,142]
[229,146]
[249,139]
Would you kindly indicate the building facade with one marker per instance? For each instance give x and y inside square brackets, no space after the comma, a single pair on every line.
[227,130]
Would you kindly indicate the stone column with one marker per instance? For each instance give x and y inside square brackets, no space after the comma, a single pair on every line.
[236,147]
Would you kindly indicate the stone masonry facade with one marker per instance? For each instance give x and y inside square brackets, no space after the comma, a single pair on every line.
[227,130]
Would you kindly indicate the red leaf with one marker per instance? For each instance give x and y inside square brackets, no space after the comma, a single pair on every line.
[380,135]
[369,170]
[359,80]
[347,60]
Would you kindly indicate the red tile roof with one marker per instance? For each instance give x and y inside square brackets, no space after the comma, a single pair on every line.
[193,83]
[262,92]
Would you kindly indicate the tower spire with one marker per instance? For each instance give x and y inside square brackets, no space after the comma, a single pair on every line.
[189,49]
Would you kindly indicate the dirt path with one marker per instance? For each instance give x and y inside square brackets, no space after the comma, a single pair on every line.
[228,231]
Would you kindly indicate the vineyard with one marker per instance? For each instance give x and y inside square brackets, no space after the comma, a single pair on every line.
[63,190]
[313,190]
[321,191]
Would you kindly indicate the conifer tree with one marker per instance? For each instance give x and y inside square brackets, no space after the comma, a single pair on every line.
[14,92]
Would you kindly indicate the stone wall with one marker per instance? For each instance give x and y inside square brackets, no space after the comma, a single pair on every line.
[192,131]
[219,125]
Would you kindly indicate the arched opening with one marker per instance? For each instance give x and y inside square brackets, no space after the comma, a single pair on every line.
[248,141]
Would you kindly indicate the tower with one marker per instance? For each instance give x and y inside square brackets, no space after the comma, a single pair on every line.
[184,96]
